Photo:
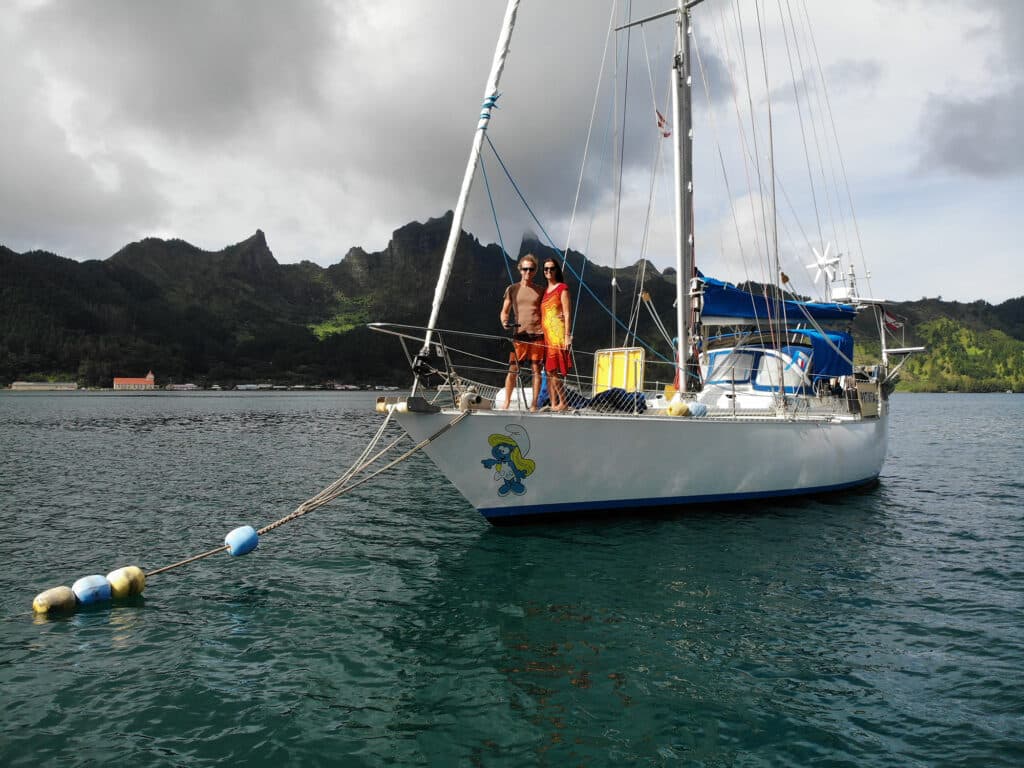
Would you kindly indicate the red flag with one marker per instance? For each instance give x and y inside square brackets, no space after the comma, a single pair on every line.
[663,125]
[890,321]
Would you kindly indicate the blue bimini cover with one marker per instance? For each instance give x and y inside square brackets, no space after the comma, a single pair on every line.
[725,304]
[833,353]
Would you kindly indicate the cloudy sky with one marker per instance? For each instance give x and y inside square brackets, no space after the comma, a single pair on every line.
[328,124]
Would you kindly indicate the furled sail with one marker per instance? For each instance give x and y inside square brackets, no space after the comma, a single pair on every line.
[725,304]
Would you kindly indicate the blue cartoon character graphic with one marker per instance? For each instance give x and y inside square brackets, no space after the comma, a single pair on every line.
[508,461]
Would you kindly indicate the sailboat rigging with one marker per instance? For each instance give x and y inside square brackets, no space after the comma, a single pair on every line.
[765,398]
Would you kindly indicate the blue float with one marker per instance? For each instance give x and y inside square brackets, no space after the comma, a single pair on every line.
[242,541]
[91,589]
[697,410]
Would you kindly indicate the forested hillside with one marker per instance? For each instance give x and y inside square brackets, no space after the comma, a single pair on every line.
[964,359]
[237,315]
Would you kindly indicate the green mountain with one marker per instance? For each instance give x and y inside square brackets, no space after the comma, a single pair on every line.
[971,347]
[238,315]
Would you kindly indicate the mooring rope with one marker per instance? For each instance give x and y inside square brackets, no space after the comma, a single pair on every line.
[340,486]
[187,560]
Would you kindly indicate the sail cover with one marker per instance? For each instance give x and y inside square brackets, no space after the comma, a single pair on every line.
[725,304]
[833,353]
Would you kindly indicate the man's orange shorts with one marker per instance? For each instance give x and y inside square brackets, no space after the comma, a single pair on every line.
[527,350]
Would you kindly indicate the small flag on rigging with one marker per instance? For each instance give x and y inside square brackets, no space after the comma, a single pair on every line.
[663,125]
[891,321]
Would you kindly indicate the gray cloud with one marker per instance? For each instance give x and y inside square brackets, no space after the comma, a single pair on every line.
[1008,25]
[190,69]
[854,73]
[979,135]
[51,196]
[421,141]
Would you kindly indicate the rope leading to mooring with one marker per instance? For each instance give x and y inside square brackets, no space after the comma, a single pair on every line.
[131,580]
[338,487]
[329,493]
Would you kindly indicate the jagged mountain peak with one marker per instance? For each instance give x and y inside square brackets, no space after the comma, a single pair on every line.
[175,260]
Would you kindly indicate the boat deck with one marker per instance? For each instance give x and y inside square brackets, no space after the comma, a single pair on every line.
[476,396]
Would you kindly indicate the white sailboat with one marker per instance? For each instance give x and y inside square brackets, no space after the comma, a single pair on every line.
[766,400]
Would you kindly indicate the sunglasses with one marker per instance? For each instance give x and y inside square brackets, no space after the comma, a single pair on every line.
[550,269]
[527,269]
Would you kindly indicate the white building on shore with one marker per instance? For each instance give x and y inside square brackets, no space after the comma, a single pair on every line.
[44,386]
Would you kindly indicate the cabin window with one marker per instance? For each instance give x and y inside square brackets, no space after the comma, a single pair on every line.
[794,370]
[730,367]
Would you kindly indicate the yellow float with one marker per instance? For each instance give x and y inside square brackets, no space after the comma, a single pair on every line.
[127,581]
[55,600]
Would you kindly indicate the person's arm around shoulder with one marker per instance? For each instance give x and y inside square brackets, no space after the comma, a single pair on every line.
[566,312]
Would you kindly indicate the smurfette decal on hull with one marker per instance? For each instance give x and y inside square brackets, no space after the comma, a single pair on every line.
[508,459]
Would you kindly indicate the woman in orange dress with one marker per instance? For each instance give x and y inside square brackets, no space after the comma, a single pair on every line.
[554,316]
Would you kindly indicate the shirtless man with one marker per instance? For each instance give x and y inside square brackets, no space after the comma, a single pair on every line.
[522,300]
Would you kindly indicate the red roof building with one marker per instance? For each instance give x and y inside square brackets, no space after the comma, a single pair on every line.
[127,382]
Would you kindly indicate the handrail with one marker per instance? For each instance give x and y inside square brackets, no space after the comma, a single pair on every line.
[386,328]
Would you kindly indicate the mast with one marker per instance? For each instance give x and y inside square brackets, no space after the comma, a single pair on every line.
[683,120]
[490,97]
[881,337]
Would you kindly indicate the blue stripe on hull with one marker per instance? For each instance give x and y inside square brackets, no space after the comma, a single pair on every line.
[510,513]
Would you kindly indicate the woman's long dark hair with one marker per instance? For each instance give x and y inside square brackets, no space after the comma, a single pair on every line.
[558,270]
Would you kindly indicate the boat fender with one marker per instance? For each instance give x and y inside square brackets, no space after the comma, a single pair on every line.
[127,581]
[678,408]
[385,403]
[91,589]
[698,410]
[54,600]
[242,541]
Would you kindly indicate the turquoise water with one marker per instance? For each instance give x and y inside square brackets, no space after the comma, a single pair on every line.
[396,627]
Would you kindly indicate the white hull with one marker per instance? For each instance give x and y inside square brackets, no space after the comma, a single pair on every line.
[594,462]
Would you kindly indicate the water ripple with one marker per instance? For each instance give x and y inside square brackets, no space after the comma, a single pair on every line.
[395,627]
